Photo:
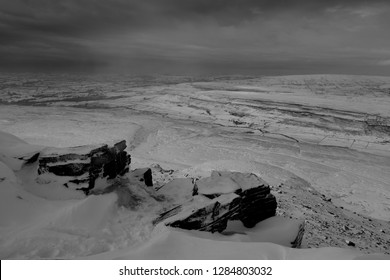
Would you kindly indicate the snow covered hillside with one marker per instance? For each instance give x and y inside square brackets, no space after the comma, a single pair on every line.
[322,143]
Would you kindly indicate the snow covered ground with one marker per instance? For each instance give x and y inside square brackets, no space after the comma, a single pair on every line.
[325,139]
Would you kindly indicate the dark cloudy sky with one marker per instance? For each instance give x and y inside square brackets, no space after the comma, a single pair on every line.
[196,36]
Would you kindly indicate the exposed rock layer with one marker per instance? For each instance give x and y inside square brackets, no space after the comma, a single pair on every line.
[211,217]
[246,198]
[80,167]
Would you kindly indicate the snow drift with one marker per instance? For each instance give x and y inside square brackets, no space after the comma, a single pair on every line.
[34,225]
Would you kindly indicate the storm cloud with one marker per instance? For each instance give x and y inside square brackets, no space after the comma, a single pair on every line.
[196,36]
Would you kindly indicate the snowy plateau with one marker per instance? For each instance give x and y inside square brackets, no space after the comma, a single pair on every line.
[195,148]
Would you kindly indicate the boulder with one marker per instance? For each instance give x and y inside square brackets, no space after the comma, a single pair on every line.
[84,167]
[256,204]
[223,196]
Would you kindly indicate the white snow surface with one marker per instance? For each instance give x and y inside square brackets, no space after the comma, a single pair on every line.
[95,227]
[216,184]
[186,245]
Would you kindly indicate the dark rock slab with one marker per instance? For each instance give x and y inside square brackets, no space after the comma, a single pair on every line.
[257,203]
[223,196]
[81,167]
[203,214]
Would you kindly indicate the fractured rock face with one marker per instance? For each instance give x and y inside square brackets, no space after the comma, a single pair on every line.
[223,196]
[203,214]
[84,167]
[256,204]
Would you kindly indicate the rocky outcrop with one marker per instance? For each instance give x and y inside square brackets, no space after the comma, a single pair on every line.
[204,214]
[143,175]
[221,197]
[256,203]
[81,168]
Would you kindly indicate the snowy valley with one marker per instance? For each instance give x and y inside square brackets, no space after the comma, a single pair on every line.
[201,157]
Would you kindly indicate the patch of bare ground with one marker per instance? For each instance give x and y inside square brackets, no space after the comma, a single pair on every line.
[327,224]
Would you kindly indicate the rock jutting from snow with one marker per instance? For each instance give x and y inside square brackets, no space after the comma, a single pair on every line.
[84,167]
[30,159]
[256,204]
[203,214]
[143,175]
[223,196]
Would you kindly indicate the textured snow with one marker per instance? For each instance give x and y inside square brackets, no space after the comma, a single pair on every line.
[175,244]
[276,230]
[178,190]
[6,173]
[12,148]
[216,184]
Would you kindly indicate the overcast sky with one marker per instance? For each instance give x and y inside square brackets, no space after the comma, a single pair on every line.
[196,36]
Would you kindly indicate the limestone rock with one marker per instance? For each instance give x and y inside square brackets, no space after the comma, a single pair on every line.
[83,167]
